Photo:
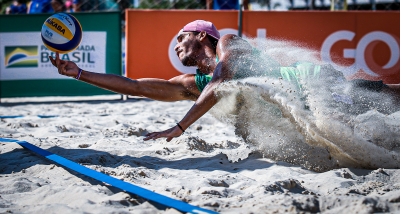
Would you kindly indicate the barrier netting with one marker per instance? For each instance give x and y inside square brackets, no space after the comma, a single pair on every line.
[121,5]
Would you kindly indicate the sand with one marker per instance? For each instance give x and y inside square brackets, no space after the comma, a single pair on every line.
[208,166]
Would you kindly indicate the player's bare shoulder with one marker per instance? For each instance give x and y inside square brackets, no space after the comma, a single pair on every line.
[232,44]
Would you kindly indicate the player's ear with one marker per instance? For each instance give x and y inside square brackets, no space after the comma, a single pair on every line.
[202,35]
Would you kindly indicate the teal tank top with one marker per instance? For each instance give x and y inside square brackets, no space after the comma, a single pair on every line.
[201,80]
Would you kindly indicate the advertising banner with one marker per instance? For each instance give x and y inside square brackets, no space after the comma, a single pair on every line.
[360,44]
[25,68]
[27,58]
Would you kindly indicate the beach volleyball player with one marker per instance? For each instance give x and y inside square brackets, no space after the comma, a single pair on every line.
[197,46]
[217,58]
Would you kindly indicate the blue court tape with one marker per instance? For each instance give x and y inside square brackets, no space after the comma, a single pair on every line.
[128,187]
[41,116]
[47,116]
[12,116]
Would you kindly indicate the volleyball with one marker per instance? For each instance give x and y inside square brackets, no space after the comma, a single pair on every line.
[61,33]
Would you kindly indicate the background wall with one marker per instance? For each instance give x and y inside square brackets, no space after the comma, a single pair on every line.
[360,44]
[33,74]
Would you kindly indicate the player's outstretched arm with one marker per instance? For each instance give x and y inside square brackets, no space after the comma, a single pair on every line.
[230,53]
[204,103]
[179,88]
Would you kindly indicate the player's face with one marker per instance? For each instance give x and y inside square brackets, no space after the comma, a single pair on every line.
[186,48]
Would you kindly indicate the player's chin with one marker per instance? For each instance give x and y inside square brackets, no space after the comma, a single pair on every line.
[186,61]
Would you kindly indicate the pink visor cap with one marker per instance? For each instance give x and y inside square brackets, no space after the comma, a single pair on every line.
[201,25]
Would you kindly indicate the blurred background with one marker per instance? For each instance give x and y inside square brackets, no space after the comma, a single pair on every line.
[50,6]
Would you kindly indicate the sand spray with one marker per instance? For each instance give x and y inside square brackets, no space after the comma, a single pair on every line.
[313,126]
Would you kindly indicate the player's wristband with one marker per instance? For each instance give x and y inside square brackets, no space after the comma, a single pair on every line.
[79,74]
[180,127]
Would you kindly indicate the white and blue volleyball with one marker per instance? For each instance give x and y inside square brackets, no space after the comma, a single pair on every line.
[61,33]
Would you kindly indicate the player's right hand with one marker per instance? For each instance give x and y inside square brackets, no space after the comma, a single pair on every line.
[66,68]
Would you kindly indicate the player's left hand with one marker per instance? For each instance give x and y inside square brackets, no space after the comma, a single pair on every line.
[169,134]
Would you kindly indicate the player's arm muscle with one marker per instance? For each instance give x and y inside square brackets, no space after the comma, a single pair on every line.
[178,88]
[182,87]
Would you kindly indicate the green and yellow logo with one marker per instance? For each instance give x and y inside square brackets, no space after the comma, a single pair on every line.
[21,56]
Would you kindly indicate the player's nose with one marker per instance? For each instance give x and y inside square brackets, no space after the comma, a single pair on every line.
[176,48]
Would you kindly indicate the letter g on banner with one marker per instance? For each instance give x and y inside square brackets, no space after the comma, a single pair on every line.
[363,52]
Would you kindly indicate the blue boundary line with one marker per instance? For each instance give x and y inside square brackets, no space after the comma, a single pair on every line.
[128,187]
[16,116]
[41,116]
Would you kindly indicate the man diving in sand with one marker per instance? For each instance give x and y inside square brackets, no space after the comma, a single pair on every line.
[217,58]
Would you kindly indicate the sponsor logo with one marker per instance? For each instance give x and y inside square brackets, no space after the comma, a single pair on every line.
[66,18]
[21,56]
[83,56]
[48,34]
[22,59]
[363,53]
[55,25]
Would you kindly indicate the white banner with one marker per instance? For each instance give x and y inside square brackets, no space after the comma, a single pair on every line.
[23,56]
